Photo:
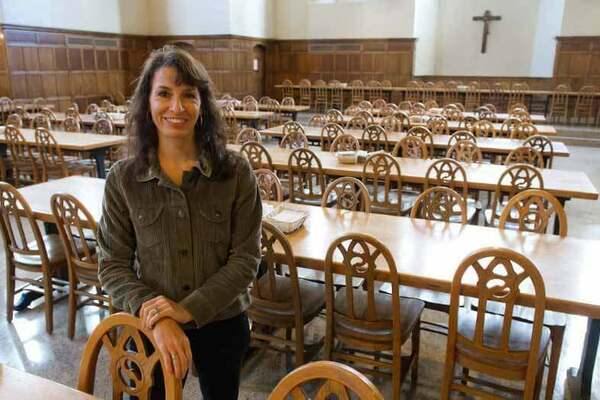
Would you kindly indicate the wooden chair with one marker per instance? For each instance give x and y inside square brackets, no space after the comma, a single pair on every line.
[517,94]
[103,126]
[41,121]
[374,138]
[386,83]
[508,126]
[257,155]
[411,147]
[71,124]
[460,136]
[440,204]
[282,301]
[14,120]
[365,322]
[413,91]
[467,122]
[38,104]
[382,176]
[321,101]
[495,345]
[293,136]
[250,105]
[329,133]
[351,110]
[488,116]
[425,135]
[365,105]
[533,210]
[388,110]
[307,179]
[465,151]
[357,91]
[248,135]
[544,145]
[54,164]
[379,104]
[287,89]
[429,94]
[288,101]
[375,91]
[525,155]
[451,93]
[335,116]
[391,124]
[340,382]
[472,96]
[483,128]
[345,142]
[337,96]
[131,369]
[277,117]
[438,126]
[347,193]
[92,108]
[405,105]
[523,130]
[25,166]
[269,185]
[43,255]
[264,101]
[317,120]
[77,230]
[357,122]
[514,179]
[584,106]
[499,91]
[305,93]
[559,104]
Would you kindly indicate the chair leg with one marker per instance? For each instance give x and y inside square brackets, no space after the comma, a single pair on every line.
[299,346]
[10,290]
[72,311]
[416,343]
[557,334]
[48,309]
[539,379]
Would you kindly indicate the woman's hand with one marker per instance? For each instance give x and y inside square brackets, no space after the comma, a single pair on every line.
[173,347]
[161,307]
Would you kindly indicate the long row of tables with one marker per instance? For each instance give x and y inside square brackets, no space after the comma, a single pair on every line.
[568,265]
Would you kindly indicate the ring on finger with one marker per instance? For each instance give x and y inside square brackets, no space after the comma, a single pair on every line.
[174,357]
[155,311]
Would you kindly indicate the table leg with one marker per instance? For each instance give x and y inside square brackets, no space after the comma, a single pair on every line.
[562,201]
[99,156]
[579,381]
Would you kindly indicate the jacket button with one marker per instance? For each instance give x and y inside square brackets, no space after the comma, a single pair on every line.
[186,287]
[181,213]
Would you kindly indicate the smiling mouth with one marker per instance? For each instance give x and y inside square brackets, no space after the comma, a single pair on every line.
[175,120]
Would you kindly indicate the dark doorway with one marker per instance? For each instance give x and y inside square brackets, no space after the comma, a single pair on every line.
[258,71]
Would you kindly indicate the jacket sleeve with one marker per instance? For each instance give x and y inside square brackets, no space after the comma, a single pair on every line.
[117,246]
[232,279]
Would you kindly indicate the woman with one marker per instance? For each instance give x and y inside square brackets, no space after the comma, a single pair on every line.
[179,236]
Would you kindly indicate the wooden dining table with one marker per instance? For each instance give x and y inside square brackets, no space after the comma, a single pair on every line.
[20,385]
[487,145]
[94,144]
[426,253]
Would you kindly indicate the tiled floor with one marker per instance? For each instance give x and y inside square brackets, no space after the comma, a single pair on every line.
[25,345]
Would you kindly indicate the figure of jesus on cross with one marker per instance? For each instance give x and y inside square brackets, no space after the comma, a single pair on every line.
[486,18]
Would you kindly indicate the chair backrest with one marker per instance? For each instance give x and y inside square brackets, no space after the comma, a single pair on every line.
[269,185]
[71,124]
[544,145]
[16,220]
[75,223]
[293,136]
[231,124]
[498,275]
[317,120]
[483,128]
[50,153]
[307,179]
[523,130]
[391,124]
[379,104]
[467,122]
[382,176]
[103,126]
[461,135]
[92,108]
[348,193]
[525,155]
[465,151]
[533,211]
[132,369]
[248,135]
[41,121]
[357,255]
[357,122]
[366,115]
[515,179]
[424,134]
[14,120]
[288,101]
[264,101]
[438,126]
[508,126]
[345,142]
[335,116]
[374,138]
[339,381]
[20,152]
[440,203]
[257,155]
[411,147]
[365,105]
[329,133]
[250,105]
[449,173]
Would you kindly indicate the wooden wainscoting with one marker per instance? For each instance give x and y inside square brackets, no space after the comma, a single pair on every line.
[577,60]
[228,59]
[342,59]
[65,66]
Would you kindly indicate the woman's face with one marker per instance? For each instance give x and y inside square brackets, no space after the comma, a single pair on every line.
[175,108]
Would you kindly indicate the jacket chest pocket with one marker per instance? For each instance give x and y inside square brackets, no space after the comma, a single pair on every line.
[214,223]
[148,225]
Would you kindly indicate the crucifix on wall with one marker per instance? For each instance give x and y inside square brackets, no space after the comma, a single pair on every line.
[486,18]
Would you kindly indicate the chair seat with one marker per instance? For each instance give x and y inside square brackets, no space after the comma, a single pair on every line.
[525,314]
[54,249]
[319,276]
[408,200]
[519,339]
[410,313]
[433,300]
[312,296]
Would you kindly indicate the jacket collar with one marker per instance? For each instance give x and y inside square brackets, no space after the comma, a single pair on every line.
[203,164]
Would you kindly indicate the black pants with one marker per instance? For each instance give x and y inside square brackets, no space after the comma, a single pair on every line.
[218,350]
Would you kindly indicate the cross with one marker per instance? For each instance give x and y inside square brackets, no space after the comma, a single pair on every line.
[486,18]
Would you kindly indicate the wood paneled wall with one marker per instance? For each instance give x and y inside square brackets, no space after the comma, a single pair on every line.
[343,59]
[228,59]
[534,83]
[577,61]
[67,66]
